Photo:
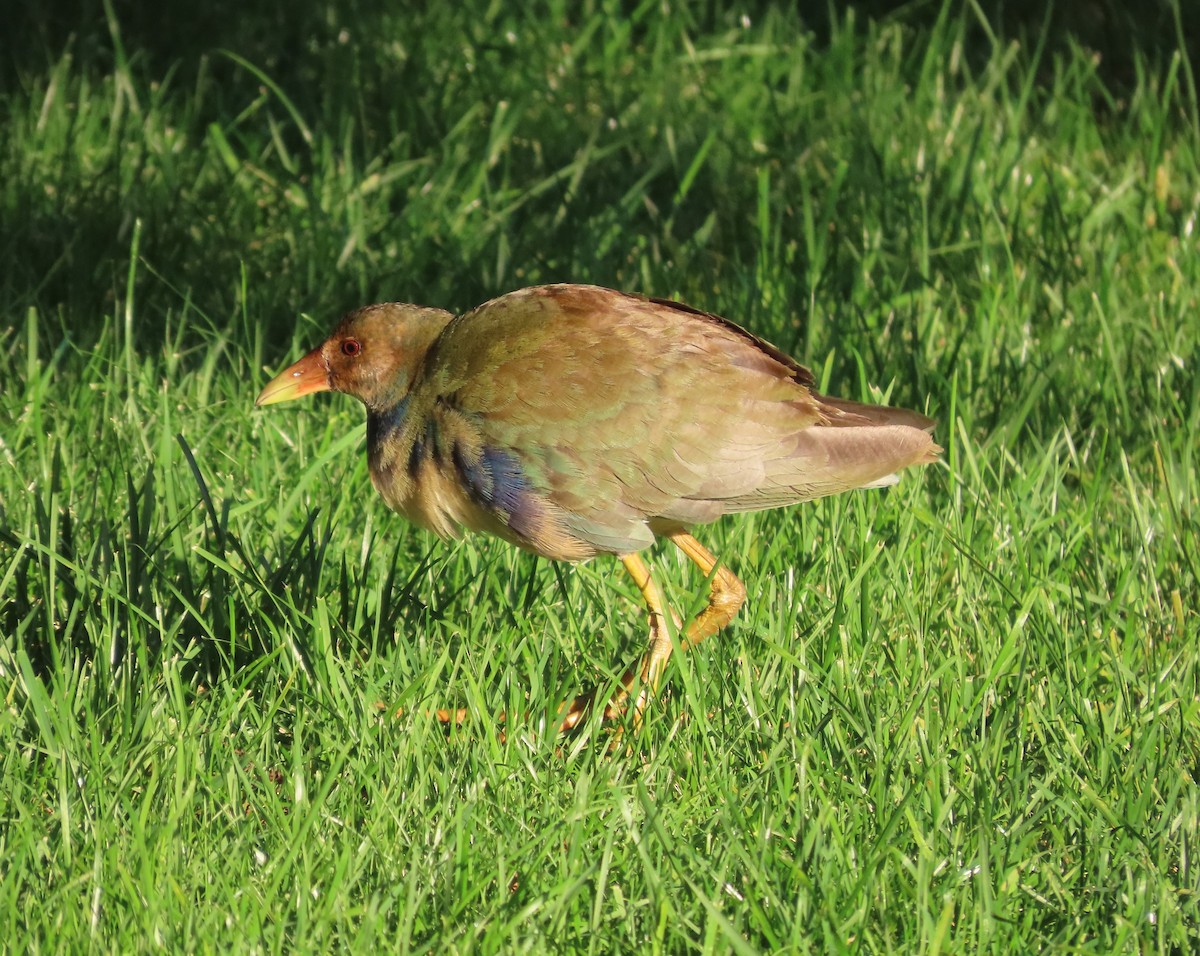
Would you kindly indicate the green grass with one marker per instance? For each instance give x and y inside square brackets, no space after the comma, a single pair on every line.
[962,715]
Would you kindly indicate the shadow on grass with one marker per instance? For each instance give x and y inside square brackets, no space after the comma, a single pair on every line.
[309,77]
[138,594]
[282,36]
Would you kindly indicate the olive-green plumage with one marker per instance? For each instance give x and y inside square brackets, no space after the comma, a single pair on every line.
[574,420]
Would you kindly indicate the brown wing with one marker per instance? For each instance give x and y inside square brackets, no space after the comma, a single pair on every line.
[627,413]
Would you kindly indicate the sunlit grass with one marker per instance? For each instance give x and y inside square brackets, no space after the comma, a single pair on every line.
[959,715]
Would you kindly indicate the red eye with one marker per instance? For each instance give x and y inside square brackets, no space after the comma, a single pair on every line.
[351,347]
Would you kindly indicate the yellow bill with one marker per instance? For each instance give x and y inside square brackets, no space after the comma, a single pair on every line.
[306,376]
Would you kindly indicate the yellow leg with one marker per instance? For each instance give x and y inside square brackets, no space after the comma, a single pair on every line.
[659,651]
[725,597]
[652,663]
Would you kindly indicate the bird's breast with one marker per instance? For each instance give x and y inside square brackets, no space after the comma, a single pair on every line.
[409,470]
[428,498]
[438,473]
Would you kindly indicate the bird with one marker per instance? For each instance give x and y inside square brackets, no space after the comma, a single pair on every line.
[575,421]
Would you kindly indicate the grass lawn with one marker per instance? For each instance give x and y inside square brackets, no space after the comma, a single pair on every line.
[960,715]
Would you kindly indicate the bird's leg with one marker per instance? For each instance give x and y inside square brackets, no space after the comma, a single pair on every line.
[653,662]
[725,594]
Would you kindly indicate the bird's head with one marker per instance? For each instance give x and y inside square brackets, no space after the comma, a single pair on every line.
[373,355]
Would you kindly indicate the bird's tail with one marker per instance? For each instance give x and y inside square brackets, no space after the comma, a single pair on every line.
[843,412]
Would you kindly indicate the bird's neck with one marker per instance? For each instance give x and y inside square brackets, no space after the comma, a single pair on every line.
[411,467]
[387,434]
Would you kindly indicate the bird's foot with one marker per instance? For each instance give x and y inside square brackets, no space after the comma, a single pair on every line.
[646,675]
[578,710]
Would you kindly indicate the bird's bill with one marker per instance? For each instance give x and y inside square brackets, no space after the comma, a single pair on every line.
[303,378]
